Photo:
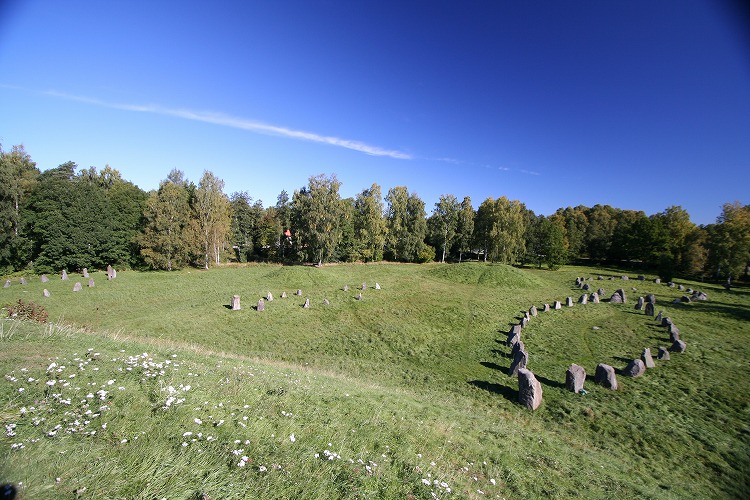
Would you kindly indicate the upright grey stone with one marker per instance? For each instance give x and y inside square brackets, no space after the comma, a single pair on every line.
[600,278]
[621,293]
[77,287]
[7,284]
[533,311]
[586,287]
[674,332]
[46,292]
[23,281]
[283,295]
[44,278]
[64,275]
[663,354]
[575,376]
[594,298]
[529,389]
[666,321]
[659,317]
[699,296]
[569,301]
[524,322]
[557,305]
[625,278]
[545,308]
[605,376]
[600,292]
[657,281]
[359,296]
[299,293]
[514,336]
[616,298]
[85,273]
[261,305]
[236,303]
[651,298]
[641,277]
[678,346]
[306,304]
[364,286]
[520,360]
[377,286]
[583,299]
[346,288]
[681,288]
[517,348]
[326,302]
[91,282]
[578,281]
[635,368]
[269,297]
[649,309]
[685,299]
[639,304]
[647,359]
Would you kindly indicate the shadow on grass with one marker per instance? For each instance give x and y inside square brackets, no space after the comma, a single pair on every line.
[503,354]
[503,390]
[735,311]
[548,382]
[493,366]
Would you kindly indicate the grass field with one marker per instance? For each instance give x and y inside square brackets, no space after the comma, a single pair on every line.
[149,386]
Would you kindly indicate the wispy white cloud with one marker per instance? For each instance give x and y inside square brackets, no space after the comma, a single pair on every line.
[241,123]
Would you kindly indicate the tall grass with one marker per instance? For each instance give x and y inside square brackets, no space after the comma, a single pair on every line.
[400,394]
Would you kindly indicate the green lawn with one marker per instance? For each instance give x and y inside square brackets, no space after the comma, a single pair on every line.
[400,394]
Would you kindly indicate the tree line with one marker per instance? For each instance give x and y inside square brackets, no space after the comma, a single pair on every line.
[66,218]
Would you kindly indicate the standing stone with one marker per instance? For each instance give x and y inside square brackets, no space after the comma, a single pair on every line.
[600,278]
[659,317]
[377,286]
[616,298]
[111,273]
[651,298]
[91,282]
[700,296]
[517,348]
[647,359]
[684,298]
[575,376]
[681,288]
[529,389]
[649,309]
[641,277]
[621,292]
[639,304]
[524,322]
[678,346]
[23,281]
[46,292]
[85,273]
[578,282]
[236,303]
[44,278]
[64,275]
[635,368]
[533,311]
[299,292]
[600,292]
[7,284]
[364,286]
[569,301]
[283,295]
[346,288]
[663,354]
[594,298]
[269,297]
[666,321]
[261,305]
[77,287]
[514,336]
[307,304]
[545,308]
[674,333]
[657,281]
[586,287]
[558,305]
[605,376]
[670,284]
[326,302]
[625,278]
[584,299]
[520,360]
[359,296]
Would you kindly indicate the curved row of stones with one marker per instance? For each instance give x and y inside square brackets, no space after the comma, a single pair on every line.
[236,306]
[111,274]
[529,388]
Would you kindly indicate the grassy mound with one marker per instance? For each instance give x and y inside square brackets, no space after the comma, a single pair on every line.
[483,274]
[160,390]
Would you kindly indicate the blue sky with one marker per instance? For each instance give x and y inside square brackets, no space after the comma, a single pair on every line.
[638,104]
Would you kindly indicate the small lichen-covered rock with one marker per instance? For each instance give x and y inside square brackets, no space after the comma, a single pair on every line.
[678,346]
[635,368]
[575,376]
[529,389]
[647,359]
[605,376]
